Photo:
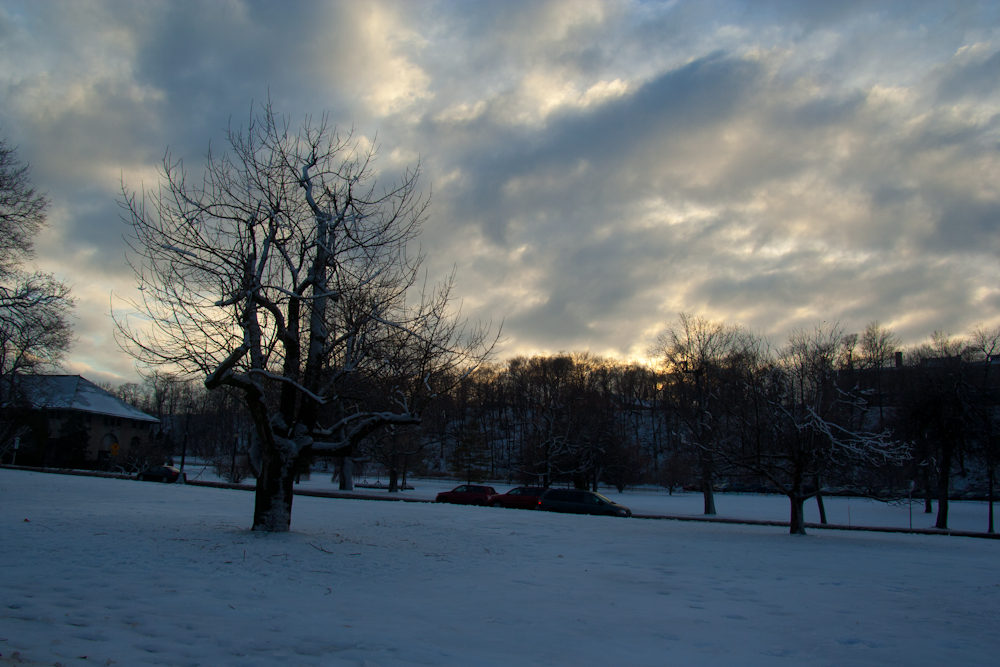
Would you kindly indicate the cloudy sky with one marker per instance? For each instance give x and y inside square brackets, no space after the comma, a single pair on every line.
[596,167]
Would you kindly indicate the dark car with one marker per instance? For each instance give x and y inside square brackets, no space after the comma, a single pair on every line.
[580,502]
[467,494]
[166,474]
[523,497]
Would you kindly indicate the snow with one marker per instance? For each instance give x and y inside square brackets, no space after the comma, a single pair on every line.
[133,573]
[73,392]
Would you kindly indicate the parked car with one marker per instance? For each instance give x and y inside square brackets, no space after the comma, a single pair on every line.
[467,494]
[523,497]
[580,502]
[166,474]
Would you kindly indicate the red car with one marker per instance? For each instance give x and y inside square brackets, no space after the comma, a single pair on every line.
[523,497]
[467,494]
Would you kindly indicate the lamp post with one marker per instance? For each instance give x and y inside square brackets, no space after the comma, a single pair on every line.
[184,448]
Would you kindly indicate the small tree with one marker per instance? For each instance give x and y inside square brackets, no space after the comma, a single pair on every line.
[284,274]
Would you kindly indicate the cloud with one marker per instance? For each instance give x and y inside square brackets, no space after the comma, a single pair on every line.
[596,166]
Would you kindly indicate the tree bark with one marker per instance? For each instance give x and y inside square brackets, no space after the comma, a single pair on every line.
[990,475]
[275,478]
[347,474]
[796,523]
[822,509]
[944,479]
[819,501]
[928,502]
[707,474]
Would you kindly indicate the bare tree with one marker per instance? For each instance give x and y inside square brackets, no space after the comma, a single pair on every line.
[810,425]
[983,408]
[878,347]
[35,332]
[284,273]
[693,353]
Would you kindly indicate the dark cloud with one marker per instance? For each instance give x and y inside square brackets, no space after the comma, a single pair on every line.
[621,142]
[979,78]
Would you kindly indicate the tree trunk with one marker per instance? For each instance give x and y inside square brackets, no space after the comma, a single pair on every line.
[990,476]
[822,509]
[347,474]
[707,475]
[232,466]
[819,501]
[272,510]
[928,502]
[797,523]
[944,479]
[709,496]
[393,480]
[275,489]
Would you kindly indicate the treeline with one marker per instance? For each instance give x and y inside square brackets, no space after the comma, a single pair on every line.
[720,407]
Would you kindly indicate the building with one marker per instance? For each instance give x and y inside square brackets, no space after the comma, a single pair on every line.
[80,420]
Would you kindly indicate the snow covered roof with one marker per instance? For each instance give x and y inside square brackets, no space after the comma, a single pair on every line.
[73,392]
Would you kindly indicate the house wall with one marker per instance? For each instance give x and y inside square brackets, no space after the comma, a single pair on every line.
[108,437]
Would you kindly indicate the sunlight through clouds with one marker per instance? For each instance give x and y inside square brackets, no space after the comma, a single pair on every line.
[596,166]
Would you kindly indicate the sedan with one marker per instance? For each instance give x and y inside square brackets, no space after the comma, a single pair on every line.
[167,474]
[523,497]
[580,502]
[467,494]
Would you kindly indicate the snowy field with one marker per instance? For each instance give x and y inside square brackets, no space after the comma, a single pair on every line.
[103,571]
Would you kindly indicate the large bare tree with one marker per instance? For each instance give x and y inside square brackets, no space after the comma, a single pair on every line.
[283,271]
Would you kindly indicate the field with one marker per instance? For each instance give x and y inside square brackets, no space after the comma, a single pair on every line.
[133,573]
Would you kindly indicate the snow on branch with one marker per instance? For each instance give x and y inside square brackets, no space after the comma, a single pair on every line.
[281,378]
[180,251]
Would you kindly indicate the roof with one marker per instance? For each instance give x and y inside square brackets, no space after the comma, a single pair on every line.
[73,392]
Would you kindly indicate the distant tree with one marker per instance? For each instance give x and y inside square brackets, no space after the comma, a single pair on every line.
[878,347]
[693,352]
[623,463]
[540,401]
[985,345]
[284,273]
[810,426]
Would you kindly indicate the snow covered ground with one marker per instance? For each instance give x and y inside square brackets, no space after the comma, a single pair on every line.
[133,573]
